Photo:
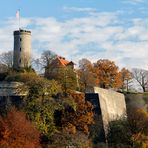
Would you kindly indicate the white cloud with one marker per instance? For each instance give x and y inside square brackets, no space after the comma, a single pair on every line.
[99,35]
[78,9]
[134,1]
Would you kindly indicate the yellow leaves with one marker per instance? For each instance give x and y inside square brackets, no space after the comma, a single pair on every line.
[140,139]
[70,128]
[138,119]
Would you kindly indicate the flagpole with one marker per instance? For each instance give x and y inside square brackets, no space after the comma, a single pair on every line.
[18,17]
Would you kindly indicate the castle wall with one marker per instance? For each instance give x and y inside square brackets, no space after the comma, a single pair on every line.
[112,105]
[8,89]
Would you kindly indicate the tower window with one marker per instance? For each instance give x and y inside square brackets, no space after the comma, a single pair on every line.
[20,39]
[20,61]
[20,48]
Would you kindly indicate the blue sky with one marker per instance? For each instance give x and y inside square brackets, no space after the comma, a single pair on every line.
[93,29]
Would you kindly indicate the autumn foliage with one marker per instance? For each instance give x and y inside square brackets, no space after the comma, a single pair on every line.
[79,119]
[138,121]
[17,132]
[130,132]
[108,74]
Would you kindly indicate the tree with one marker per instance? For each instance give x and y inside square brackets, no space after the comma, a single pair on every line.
[130,132]
[138,123]
[3,72]
[67,78]
[127,76]
[6,58]
[47,57]
[17,131]
[107,74]
[87,77]
[119,134]
[44,61]
[3,68]
[141,77]
[76,119]
[78,140]
[39,103]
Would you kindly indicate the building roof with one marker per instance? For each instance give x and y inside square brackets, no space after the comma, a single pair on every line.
[63,61]
[60,62]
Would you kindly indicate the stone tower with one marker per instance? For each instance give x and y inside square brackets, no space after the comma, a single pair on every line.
[22,49]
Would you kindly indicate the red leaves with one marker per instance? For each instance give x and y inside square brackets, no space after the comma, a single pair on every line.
[17,131]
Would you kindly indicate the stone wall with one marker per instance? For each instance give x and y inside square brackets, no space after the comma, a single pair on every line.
[11,89]
[112,105]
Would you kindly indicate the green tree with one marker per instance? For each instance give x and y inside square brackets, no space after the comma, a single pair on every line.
[119,134]
[39,103]
[67,77]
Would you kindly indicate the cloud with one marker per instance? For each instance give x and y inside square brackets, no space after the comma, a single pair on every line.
[98,35]
[78,9]
[134,1]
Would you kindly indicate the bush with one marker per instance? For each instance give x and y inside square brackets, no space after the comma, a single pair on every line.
[63,140]
[119,133]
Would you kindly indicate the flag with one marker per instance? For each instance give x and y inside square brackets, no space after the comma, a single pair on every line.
[18,14]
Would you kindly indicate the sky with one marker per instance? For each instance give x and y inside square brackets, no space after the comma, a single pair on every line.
[94,29]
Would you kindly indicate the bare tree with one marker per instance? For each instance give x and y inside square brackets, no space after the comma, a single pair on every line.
[141,77]
[3,68]
[47,57]
[87,75]
[6,58]
[44,61]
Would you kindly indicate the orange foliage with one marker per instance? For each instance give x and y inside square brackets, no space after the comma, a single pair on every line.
[108,74]
[138,120]
[126,77]
[81,118]
[17,132]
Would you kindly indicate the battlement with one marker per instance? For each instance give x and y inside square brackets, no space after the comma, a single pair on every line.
[21,31]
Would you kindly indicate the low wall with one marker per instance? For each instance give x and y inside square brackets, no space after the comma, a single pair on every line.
[11,89]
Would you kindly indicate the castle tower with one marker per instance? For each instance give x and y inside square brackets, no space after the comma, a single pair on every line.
[22,49]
